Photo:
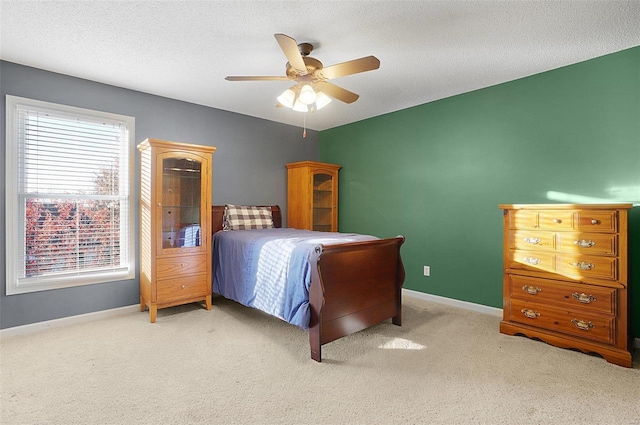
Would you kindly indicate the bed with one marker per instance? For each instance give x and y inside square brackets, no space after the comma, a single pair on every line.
[354,282]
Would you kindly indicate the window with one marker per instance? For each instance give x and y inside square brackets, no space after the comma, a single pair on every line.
[69,206]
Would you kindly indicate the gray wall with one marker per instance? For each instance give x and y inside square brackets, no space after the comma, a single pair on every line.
[248,168]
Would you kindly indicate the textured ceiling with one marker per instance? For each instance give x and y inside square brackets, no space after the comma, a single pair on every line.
[428,49]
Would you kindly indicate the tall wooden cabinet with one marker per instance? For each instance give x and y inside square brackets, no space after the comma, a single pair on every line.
[312,196]
[566,277]
[175,224]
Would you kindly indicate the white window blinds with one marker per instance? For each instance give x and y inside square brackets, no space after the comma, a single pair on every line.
[72,196]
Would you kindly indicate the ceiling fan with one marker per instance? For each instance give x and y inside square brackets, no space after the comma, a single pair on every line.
[312,90]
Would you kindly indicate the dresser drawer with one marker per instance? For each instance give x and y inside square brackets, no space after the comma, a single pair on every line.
[532,260]
[581,243]
[588,243]
[532,240]
[180,266]
[585,267]
[523,219]
[555,220]
[596,221]
[170,290]
[585,325]
[576,297]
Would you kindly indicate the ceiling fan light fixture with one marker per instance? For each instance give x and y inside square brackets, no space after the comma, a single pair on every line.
[300,107]
[322,100]
[307,95]
[287,98]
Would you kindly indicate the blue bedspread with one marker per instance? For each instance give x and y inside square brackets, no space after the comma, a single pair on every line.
[269,269]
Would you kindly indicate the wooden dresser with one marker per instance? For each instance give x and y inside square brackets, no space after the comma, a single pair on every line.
[566,277]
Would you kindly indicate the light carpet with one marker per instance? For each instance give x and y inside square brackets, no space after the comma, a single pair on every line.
[235,365]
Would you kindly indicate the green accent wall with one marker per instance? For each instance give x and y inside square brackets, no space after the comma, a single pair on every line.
[436,173]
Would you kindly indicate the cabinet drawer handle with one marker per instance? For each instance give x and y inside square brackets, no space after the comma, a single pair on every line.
[584,298]
[557,220]
[594,221]
[584,244]
[531,314]
[184,286]
[532,241]
[581,324]
[533,290]
[531,260]
[584,266]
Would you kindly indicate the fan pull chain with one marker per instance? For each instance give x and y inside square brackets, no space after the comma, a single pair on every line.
[304,129]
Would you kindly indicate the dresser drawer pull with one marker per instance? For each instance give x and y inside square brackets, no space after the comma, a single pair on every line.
[557,220]
[531,314]
[184,286]
[531,260]
[584,266]
[532,241]
[584,244]
[533,290]
[594,221]
[581,324]
[584,298]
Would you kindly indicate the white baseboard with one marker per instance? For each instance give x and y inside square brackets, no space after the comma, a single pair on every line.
[88,317]
[64,321]
[454,303]
[468,306]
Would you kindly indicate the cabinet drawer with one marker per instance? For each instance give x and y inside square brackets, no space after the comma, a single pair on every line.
[532,240]
[588,243]
[570,296]
[587,326]
[556,220]
[183,287]
[596,221]
[587,266]
[532,260]
[180,266]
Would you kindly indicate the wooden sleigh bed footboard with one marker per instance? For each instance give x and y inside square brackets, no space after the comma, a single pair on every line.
[354,285]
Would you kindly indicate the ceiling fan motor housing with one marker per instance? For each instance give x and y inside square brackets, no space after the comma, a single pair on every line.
[311,64]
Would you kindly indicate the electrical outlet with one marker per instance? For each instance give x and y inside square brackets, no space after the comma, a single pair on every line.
[427,271]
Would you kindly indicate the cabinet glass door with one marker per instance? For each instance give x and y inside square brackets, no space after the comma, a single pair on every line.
[181,202]
[322,202]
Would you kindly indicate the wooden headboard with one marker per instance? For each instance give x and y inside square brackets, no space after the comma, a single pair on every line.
[217,212]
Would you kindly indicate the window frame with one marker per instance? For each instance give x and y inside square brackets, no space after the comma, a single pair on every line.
[12,208]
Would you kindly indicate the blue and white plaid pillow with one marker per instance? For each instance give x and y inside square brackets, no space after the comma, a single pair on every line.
[243,217]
